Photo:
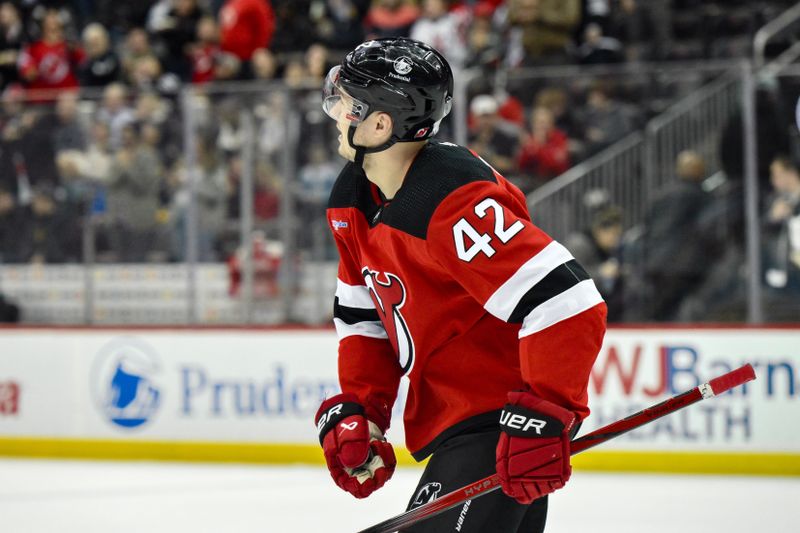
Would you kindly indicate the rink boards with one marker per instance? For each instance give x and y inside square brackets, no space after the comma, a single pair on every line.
[249,395]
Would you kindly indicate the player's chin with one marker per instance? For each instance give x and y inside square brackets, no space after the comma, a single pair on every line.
[347,152]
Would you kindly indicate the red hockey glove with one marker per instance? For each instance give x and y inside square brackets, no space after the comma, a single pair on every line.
[533,451]
[358,457]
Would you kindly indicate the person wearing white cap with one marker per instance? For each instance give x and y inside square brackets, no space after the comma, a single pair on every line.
[491,137]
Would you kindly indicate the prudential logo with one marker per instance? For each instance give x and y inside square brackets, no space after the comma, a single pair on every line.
[123,381]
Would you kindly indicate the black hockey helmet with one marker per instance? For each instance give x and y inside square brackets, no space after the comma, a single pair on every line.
[407,79]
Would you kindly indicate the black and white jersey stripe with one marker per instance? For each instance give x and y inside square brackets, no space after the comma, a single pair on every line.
[550,287]
[354,312]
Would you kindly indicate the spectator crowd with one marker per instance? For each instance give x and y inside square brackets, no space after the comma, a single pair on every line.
[92,123]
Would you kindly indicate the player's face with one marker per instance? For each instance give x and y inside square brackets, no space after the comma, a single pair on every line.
[370,132]
[340,112]
[345,110]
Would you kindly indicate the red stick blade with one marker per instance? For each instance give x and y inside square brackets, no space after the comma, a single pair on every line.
[733,379]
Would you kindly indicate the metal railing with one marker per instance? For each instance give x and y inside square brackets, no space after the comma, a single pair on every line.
[772,29]
[564,206]
[631,172]
[696,123]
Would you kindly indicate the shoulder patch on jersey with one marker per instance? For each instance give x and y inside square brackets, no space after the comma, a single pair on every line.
[438,170]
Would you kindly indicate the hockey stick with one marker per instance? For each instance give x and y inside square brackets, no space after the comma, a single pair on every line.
[713,388]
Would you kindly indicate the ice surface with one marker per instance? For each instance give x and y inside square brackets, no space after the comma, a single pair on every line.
[116,497]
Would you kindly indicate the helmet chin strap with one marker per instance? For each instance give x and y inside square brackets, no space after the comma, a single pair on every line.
[361,151]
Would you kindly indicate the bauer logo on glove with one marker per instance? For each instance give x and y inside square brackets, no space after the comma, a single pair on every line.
[532,457]
[516,420]
[335,413]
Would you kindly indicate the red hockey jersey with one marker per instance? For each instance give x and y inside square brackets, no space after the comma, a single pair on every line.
[52,63]
[451,285]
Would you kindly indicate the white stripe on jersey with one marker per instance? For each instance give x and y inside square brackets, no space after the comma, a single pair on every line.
[569,303]
[366,329]
[505,299]
[356,296]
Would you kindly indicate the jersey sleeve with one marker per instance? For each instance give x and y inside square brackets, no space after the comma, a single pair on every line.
[368,366]
[481,234]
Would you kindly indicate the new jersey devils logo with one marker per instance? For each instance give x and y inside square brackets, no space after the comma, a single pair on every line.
[427,494]
[389,296]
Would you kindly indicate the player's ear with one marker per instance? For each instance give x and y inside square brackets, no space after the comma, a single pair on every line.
[383,127]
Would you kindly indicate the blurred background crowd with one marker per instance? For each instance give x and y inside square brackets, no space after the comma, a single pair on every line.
[128,128]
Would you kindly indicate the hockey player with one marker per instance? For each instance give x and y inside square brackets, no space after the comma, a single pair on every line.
[443,279]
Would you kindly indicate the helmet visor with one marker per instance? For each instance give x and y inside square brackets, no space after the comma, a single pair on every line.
[337,104]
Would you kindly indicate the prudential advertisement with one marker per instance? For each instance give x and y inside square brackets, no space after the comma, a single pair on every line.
[263,387]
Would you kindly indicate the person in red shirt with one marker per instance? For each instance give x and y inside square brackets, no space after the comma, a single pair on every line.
[444,280]
[205,51]
[245,26]
[50,63]
[545,152]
